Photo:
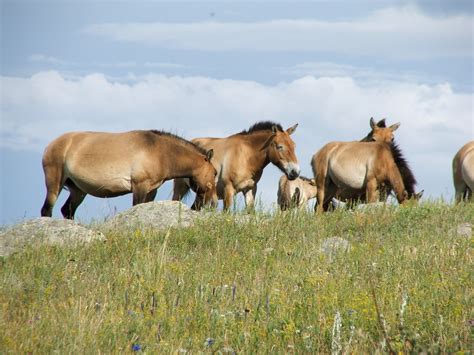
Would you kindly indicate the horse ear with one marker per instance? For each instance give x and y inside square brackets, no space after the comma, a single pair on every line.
[381,123]
[418,195]
[394,127]
[291,129]
[209,154]
[274,129]
[372,123]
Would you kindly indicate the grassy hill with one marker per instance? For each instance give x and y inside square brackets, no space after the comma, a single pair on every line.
[272,284]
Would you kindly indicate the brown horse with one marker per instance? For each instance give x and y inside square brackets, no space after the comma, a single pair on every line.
[463,172]
[381,133]
[114,164]
[240,159]
[360,169]
[295,193]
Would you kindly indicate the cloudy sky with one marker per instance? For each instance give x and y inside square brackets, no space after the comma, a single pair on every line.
[215,68]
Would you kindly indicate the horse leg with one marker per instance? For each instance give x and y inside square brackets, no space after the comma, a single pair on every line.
[180,189]
[250,198]
[151,195]
[76,196]
[320,195]
[229,192]
[53,179]
[371,190]
[395,179]
[330,193]
[140,192]
[468,194]
[326,190]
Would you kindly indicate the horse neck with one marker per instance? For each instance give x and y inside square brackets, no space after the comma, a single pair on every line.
[257,140]
[182,161]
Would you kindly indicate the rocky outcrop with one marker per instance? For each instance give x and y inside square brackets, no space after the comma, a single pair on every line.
[153,215]
[45,230]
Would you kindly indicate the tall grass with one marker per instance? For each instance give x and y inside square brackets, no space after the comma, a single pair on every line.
[405,284]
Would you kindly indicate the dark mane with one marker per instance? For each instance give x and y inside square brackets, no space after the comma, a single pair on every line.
[407,175]
[181,139]
[262,126]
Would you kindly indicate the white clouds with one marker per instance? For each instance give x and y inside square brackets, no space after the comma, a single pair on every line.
[394,32]
[42,58]
[364,74]
[435,120]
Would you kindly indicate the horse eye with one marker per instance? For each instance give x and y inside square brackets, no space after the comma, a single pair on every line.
[280,147]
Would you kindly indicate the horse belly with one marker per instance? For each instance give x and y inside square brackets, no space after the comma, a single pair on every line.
[105,184]
[348,176]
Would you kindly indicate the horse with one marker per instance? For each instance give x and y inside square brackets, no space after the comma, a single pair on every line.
[381,133]
[295,193]
[463,172]
[362,170]
[114,164]
[240,159]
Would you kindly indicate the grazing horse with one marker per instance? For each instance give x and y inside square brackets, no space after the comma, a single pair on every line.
[463,172]
[295,193]
[381,133]
[358,167]
[114,164]
[240,159]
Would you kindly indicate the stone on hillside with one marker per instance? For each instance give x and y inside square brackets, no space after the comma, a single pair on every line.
[45,230]
[333,246]
[153,215]
[464,229]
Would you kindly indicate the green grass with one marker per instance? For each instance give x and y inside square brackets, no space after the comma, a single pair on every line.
[262,286]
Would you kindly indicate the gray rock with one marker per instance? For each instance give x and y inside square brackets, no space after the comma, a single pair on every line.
[464,229]
[45,230]
[153,215]
[333,246]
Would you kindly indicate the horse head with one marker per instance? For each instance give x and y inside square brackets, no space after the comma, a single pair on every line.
[203,182]
[281,151]
[380,132]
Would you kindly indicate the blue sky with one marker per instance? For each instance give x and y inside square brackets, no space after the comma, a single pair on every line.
[207,68]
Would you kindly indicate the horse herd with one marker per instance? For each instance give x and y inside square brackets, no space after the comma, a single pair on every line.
[139,162]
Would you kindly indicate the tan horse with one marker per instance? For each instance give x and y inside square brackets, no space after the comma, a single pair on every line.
[240,159]
[114,164]
[381,133]
[463,172]
[295,193]
[359,167]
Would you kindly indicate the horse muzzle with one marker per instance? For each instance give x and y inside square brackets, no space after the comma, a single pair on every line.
[292,171]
